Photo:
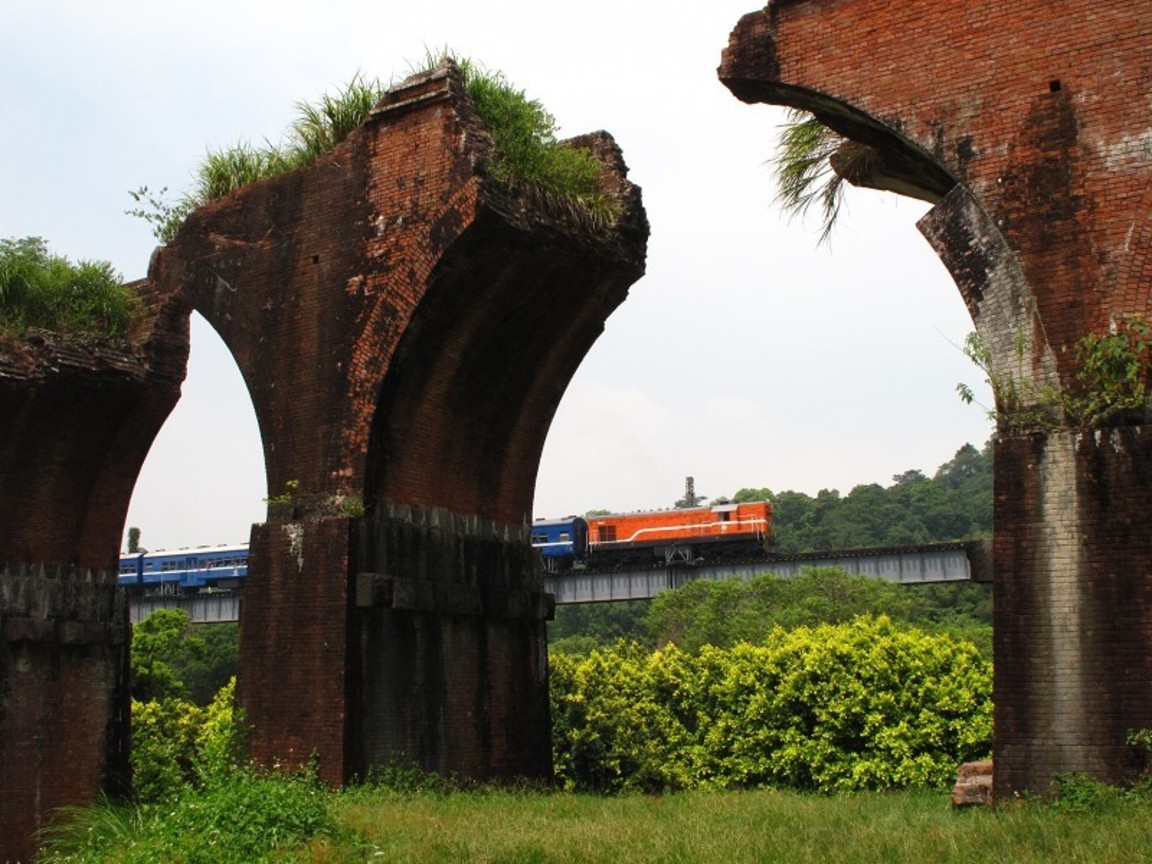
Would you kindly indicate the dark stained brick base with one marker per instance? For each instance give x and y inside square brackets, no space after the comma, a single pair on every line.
[1073,626]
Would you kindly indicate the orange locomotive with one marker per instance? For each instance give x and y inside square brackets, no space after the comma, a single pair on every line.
[724,530]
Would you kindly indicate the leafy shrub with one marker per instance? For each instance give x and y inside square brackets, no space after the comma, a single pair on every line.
[619,719]
[38,289]
[163,754]
[241,819]
[1112,385]
[177,745]
[858,705]
[248,816]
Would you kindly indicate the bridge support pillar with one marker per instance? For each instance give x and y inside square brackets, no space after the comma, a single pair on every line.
[63,696]
[452,652]
[294,645]
[415,637]
[1073,614]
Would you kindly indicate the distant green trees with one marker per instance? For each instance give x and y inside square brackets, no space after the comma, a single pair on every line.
[173,658]
[953,504]
[725,613]
[580,627]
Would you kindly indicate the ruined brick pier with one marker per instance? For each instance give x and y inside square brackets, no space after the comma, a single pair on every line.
[1026,126]
[406,325]
[77,417]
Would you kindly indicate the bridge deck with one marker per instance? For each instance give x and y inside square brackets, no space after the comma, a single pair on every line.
[938,562]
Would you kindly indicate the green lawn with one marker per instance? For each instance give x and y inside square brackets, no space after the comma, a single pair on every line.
[760,826]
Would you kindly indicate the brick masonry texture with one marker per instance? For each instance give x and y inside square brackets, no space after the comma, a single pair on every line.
[406,325]
[77,416]
[1024,125]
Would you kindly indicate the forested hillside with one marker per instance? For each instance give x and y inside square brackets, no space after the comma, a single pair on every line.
[953,504]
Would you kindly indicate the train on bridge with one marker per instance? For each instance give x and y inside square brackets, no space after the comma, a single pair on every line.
[716,533]
[684,535]
[185,571]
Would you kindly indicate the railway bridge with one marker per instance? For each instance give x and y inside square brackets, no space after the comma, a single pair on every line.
[910,565]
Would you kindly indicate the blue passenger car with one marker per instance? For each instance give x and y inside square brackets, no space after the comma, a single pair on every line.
[561,542]
[185,570]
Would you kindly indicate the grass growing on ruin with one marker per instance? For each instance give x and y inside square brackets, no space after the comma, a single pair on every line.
[428,826]
[42,290]
[527,149]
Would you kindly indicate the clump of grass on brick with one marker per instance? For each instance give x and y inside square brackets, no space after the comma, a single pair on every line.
[527,148]
[524,132]
[42,290]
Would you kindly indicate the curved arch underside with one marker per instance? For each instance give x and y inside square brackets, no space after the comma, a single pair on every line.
[406,326]
[1028,106]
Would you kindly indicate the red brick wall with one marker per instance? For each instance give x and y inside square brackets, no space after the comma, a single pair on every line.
[406,326]
[1028,111]
[77,417]
[294,652]
[63,715]
[1073,593]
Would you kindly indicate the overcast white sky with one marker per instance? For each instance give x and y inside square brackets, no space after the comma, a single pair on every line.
[747,356]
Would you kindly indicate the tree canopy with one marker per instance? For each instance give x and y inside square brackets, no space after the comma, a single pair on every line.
[954,504]
[173,658]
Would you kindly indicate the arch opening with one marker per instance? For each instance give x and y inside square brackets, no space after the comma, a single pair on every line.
[209,446]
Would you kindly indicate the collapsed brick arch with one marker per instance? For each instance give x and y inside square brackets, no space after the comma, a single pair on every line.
[406,325]
[1044,230]
[77,417]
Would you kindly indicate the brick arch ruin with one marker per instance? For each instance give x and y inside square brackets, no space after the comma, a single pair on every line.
[406,326]
[1033,116]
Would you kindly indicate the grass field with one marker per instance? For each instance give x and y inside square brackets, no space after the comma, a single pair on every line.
[760,826]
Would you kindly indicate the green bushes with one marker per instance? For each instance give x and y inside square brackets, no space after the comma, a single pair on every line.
[38,289]
[195,802]
[724,613]
[861,705]
[246,819]
[177,744]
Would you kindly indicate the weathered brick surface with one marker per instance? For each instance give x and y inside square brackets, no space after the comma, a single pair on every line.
[294,655]
[1073,603]
[406,326]
[454,675]
[64,729]
[77,416]
[1017,122]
